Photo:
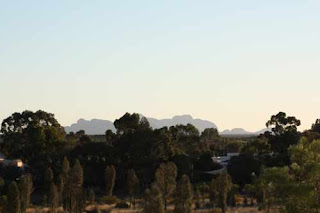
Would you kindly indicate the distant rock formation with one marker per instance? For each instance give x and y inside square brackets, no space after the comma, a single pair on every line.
[92,127]
[98,126]
[183,119]
[240,131]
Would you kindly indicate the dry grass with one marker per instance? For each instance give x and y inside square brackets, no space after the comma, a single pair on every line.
[110,209]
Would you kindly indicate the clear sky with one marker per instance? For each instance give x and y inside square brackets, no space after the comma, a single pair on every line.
[232,62]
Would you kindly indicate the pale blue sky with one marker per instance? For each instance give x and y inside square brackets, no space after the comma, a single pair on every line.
[232,62]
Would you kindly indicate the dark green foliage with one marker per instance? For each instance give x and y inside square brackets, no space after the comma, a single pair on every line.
[184,164]
[284,135]
[183,196]
[53,198]
[60,188]
[166,176]
[273,186]
[66,187]
[32,137]
[198,199]
[110,178]
[26,187]
[316,126]
[13,201]
[221,186]
[91,196]
[205,163]
[1,185]
[133,185]
[280,123]
[110,137]
[3,203]
[76,183]
[241,168]
[93,157]
[153,202]
[48,180]
[210,135]
[130,123]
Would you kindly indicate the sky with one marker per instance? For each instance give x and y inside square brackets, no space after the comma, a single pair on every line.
[232,62]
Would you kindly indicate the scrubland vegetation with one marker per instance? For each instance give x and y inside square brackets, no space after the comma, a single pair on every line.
[140,169]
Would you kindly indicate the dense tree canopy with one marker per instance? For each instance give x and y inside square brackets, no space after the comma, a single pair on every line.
[281,167]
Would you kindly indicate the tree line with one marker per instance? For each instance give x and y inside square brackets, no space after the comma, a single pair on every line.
[277,169]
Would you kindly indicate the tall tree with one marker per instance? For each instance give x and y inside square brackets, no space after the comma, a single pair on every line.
[210,135]
[184,196]
[48,180]
[54,198]
[130,123]
[165,177]
[14,203]
[60,188]
[76,183]
[153,202]
[30,135]
[280,123]
[25,186]
[133,185]
[316,126]
[284,134]
[221,186]
[110,136]
[65,173]
[110,178]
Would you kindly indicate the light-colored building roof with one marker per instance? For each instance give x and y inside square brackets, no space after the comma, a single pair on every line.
[223,161]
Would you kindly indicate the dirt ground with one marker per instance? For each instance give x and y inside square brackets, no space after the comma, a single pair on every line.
[111,209]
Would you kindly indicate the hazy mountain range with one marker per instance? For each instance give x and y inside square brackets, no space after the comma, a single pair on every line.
[240,131]
[99,126]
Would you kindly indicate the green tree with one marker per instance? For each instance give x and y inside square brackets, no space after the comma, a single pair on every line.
[282,123]
[130,123]
[183,196]
[210,135]
[3,198]
[110,137]
[274,185]
[3,203]
[166,176]
[54,198]
[1,184]
[13,203]
[76,183]
[110,178]
[25,186]
[91,196]
[31,136]
[133,185]
[305,157]
[221,186]
[187,138]
[153,202]
[284,134]
[60,188]
[198,198]
[65,174]
[48,180]
[316,126]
